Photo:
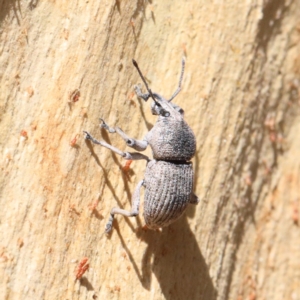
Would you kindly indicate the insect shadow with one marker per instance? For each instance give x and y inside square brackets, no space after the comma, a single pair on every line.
[107,181]
[173,256]
[85,282]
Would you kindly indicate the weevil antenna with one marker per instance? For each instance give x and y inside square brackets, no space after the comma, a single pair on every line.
[163,111]
[145,83]
[180,80]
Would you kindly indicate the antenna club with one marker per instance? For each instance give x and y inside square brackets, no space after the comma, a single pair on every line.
[134,63]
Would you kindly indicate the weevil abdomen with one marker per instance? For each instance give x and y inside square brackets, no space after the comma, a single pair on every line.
[168,191]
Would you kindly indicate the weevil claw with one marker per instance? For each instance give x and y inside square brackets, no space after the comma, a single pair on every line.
[87,135]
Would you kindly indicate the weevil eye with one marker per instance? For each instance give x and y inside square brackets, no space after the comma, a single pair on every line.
[159,111]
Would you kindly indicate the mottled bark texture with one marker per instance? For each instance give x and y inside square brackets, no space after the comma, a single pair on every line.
[240,95]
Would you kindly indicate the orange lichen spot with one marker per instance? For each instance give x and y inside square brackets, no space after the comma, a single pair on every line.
[191,11]
[72,209]
[20,242]
[126,166]
[33,126]
[65,34]
[295,213]
[124,255]
[273,136]
[30,91]
[252,295]
[130,98]
[132,23]
[93,207]
[8,156]
[82,268]
[24,134]
[74,96]
[74,140]
[24,31]
[248,180]
[130,95]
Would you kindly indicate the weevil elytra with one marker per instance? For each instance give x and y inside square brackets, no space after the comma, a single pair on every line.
[169,176]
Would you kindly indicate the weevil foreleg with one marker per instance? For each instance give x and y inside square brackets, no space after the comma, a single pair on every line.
[146,96]
[139,93]
[133,143]
[134,209]
[126,155]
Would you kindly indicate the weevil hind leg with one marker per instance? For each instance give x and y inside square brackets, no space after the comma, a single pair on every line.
[134,209]
[126,155]
[194,199]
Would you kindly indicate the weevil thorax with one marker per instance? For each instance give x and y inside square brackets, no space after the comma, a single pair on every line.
[171,138]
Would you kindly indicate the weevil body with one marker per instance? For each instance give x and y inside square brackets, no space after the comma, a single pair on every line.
[169,177]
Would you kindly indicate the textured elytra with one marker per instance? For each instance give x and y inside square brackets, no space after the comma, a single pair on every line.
[172,139]
[169,187]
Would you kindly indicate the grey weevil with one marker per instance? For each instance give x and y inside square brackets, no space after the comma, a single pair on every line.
[168,179]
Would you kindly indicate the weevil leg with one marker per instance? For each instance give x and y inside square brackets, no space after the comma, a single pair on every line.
[126,155]
[133,143]
[194,199]
[134,209]
[105,126]
[138,145]
[146,96]
[139,93]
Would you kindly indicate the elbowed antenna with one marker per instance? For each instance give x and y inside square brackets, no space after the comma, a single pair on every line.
[180,80]
[145,83]
[164,112]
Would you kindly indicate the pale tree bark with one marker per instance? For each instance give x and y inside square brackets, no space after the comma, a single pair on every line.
[241,96]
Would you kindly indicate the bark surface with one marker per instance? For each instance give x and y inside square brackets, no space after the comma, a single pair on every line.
[241,96]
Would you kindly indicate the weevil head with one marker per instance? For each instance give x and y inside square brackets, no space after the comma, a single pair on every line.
[161,106]
[164,108]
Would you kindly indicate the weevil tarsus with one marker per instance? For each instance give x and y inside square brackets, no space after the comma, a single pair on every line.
[105,126]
